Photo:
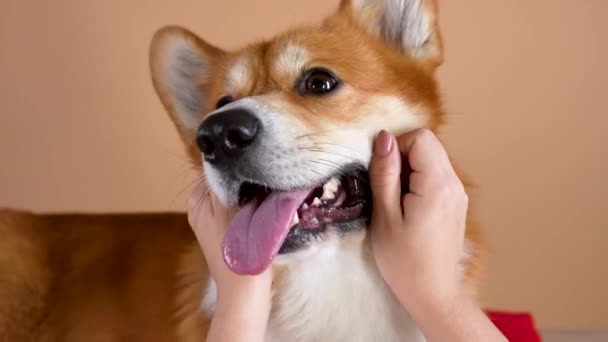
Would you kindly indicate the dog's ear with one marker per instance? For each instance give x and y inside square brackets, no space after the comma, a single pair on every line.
[408,25]
[181,65]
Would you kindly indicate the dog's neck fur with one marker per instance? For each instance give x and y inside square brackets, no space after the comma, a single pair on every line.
[334,294]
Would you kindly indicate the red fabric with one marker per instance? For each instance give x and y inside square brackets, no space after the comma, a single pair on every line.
[517,327]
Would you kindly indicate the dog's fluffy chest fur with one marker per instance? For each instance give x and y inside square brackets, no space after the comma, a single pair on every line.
[334,294]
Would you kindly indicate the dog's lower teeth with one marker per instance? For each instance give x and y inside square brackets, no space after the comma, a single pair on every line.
[295,220]
[316,202]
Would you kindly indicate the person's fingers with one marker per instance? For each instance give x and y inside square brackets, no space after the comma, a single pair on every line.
[421,183]
[385,177]
[424,152]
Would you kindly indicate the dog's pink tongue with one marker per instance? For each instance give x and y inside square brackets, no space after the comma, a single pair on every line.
[258,230]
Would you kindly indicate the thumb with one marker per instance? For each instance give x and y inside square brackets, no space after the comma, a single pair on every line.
[384,174]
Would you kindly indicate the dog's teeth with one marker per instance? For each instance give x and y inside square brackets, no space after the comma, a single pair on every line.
[328,195]
[330,188]
[316,202]
[295,220]
[304,206]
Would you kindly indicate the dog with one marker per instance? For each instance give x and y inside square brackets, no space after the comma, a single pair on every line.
[282,130]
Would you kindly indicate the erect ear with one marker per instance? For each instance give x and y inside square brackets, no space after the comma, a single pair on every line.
[408,25]
[181,65]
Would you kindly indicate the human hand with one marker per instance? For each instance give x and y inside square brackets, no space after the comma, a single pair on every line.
[242,301]
[417,238]
[209,220]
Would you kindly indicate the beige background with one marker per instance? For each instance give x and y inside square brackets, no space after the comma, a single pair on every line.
[525,84]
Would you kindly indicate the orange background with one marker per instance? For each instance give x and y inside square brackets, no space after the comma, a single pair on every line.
[525,85]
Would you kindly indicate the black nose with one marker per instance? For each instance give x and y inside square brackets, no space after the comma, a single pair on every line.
[226,135]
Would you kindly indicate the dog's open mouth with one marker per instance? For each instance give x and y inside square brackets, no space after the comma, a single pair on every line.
[267,217]
[339,200]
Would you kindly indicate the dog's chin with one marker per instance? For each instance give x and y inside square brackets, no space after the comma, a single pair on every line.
[301,242]
[300,247]
[337,206]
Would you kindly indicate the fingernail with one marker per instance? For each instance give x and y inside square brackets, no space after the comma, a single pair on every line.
[384,144]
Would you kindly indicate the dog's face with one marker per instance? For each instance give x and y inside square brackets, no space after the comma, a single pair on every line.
[285,127]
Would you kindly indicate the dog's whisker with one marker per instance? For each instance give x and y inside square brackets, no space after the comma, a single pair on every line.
[336,168]
[204,197]
[328,152]
[317,172]
[187,187]
[329,162]
[321,132]
[191,184]
[333,144]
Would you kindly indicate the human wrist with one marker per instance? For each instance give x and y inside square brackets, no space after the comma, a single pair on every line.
[245,310]
[244,306]
[246,290]
[424,301]
[441,306]
[455,318]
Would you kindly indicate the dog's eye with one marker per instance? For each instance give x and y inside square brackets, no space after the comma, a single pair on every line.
[224,100]
[318,82]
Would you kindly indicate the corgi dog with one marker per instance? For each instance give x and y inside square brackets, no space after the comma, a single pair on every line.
[285,130]
[282,131]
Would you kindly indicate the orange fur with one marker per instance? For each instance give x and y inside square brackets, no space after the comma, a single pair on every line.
[95,277]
